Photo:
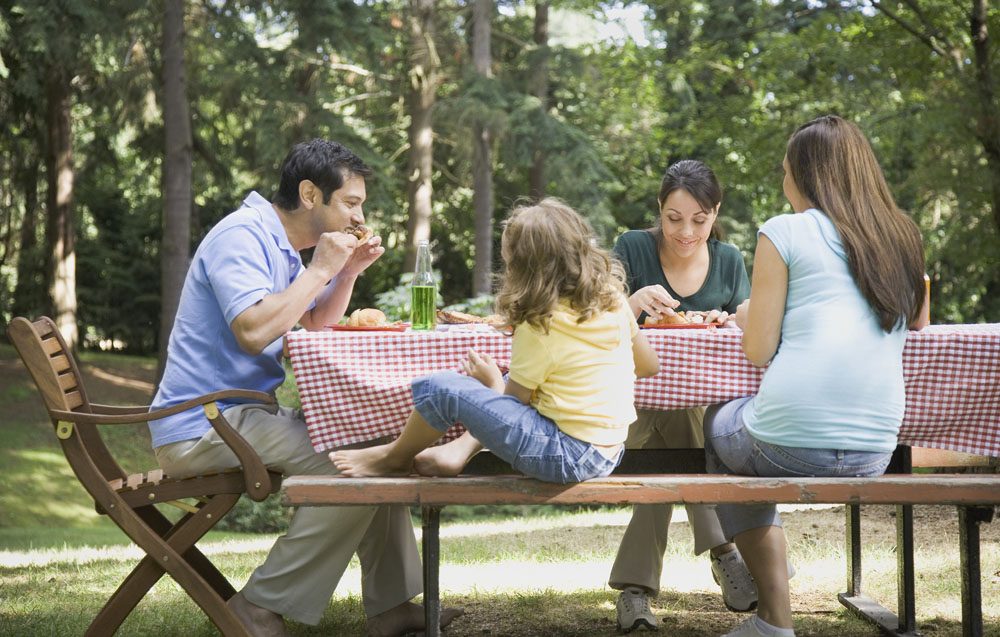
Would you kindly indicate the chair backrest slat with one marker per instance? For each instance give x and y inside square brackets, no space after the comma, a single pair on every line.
[60,363]
[51,345]
[67,381]
[73,400]
[57,377]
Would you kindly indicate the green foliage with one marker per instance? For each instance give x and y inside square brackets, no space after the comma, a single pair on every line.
[719,81]
[481,305]
[396,303]
[118,272]
[256,517]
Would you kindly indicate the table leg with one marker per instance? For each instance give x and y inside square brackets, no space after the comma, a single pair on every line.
[968,543]
[431,522]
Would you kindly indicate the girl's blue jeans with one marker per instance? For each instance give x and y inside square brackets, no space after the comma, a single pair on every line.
[731,449]
[513,431]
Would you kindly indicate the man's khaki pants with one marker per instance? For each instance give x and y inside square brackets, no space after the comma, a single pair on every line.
[304,566]
[640,555]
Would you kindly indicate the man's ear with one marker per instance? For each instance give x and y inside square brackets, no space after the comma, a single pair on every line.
[309,194]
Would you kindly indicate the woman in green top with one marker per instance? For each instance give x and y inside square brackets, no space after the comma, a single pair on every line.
[678,265]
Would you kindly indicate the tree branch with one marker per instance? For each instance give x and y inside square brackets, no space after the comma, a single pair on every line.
[337,66]
[355,98]
[920,35]
[929,25]
[769,26]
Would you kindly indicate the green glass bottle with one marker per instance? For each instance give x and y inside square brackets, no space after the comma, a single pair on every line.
[423,291]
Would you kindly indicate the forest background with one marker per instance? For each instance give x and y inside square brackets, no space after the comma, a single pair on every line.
[130,128]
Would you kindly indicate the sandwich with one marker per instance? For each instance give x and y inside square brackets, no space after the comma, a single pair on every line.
[454,317]
[361,233]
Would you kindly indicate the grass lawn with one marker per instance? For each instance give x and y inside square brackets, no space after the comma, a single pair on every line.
[538,574]
[533,571]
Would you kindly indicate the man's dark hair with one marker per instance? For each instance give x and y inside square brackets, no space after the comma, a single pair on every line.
[327,164]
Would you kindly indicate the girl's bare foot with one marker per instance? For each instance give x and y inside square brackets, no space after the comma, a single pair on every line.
[439,461]
[370,462]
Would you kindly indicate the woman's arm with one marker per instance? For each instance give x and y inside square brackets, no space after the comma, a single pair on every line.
[761,316]
[647,363]
[924,319]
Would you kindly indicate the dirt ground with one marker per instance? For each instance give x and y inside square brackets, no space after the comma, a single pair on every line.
[570,598]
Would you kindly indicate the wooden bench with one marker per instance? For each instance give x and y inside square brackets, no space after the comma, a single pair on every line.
[639,480]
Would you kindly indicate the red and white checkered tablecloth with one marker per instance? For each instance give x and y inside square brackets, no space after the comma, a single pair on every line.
[355,386]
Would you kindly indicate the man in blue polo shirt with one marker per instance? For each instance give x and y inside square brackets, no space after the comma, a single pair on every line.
[245,288]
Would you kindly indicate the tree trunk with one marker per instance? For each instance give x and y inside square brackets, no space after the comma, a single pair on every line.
[7,229]
[60,236]
[174,248]
[30,287]
[988,124]
[540,88]
[482,180]
[424,71]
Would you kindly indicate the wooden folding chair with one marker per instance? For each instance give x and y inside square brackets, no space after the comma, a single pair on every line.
[129,499]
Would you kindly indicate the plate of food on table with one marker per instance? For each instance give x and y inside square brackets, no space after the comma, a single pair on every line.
[447,319]
[682,320]
[369,319]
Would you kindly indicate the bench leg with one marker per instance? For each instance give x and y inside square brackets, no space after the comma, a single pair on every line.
[968,543]
[431,523]
[863,605]
[853,529]
[905,585]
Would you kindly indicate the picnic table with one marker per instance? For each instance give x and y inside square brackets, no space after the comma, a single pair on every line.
[355,385]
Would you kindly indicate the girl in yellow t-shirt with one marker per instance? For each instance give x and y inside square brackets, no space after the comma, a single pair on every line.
[563,412]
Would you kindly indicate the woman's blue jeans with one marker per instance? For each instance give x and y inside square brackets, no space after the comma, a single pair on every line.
[731,449]
[513,431]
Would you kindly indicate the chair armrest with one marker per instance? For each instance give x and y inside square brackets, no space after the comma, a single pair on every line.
[131,418]
[255,475]
[118,410]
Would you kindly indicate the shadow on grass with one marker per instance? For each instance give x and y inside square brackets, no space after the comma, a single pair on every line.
[166,611]
[59,595]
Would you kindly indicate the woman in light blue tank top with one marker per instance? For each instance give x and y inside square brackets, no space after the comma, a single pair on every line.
[837,282]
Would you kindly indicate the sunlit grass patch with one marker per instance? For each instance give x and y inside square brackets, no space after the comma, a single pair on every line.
[527,576]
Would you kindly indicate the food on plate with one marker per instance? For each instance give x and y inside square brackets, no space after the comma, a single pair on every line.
[454,317]
[362,233]
[367,317]
[665,319]
[678,318]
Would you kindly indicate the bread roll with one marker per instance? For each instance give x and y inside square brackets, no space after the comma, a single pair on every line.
[367,317]
[675,318]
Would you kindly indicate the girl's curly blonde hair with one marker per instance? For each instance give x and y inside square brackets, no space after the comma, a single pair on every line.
[550,254]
